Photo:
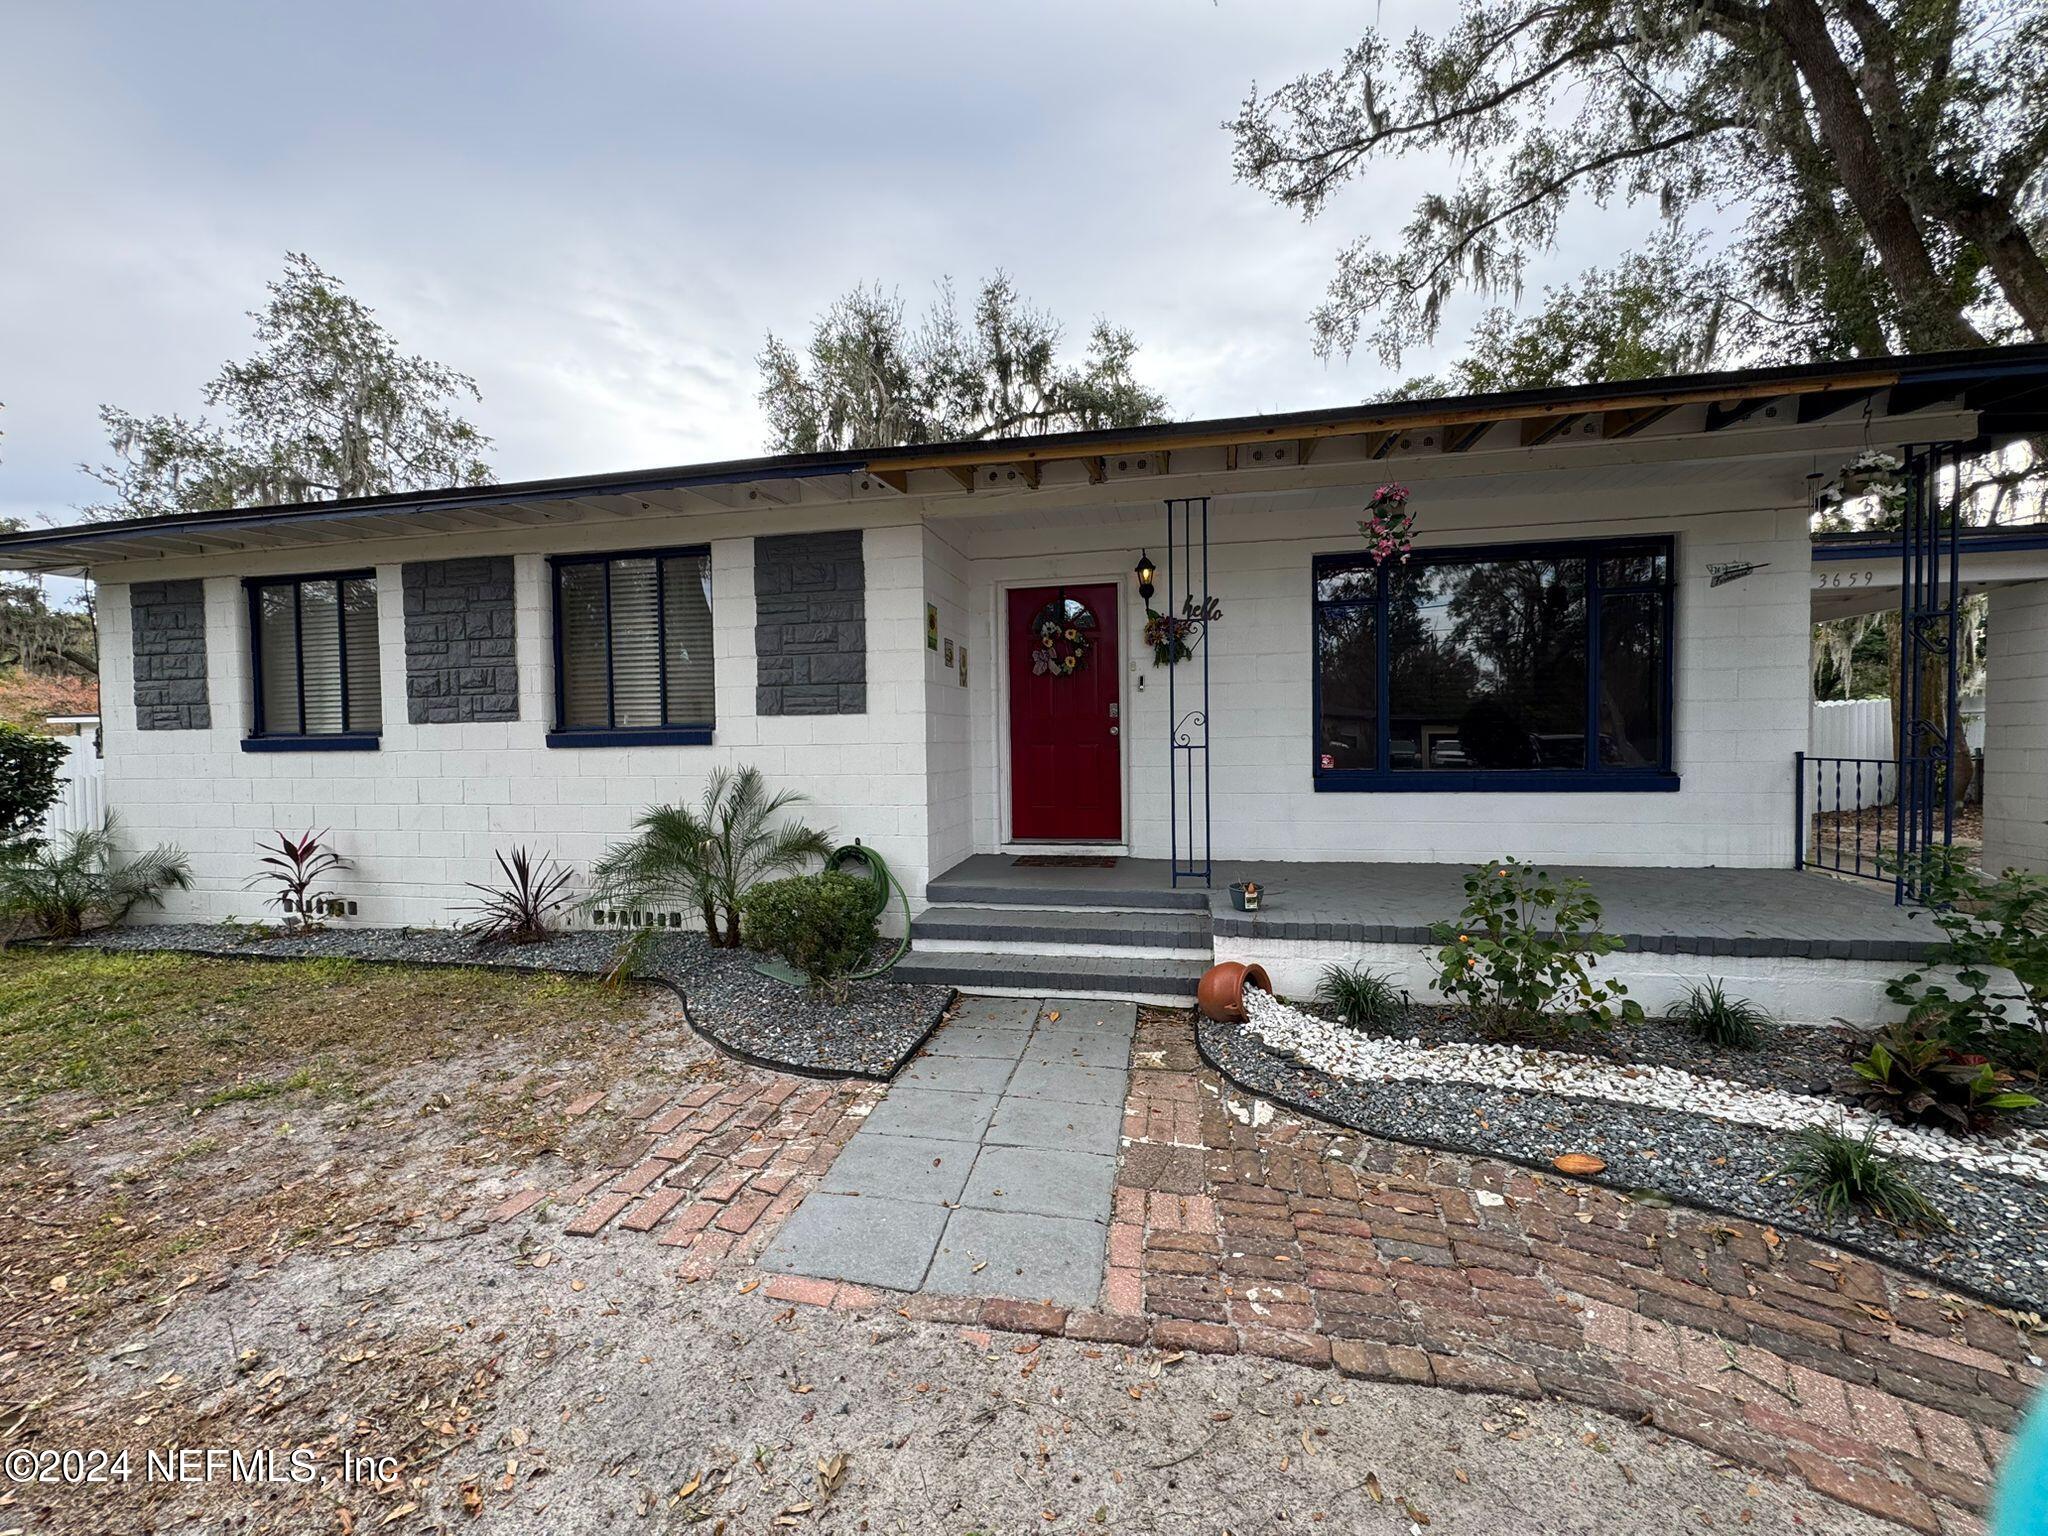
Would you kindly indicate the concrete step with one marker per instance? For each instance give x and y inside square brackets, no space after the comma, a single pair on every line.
[1146,981]
[1046,931]
[1057,893]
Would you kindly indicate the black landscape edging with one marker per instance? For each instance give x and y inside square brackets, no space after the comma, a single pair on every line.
[253,950]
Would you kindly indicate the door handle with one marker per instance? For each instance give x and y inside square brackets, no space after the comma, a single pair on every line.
[1112,730]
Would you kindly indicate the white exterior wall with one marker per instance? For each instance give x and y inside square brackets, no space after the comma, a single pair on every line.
[425,813]
[949,767]
[1740,683]
[922,775]
[2016,729]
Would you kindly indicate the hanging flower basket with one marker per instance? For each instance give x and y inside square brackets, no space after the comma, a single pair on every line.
[1172,636]
[1388,526]
[1872,473]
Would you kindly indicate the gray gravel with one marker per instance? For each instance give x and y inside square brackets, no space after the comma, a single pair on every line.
[877,1029]
[1998,1248]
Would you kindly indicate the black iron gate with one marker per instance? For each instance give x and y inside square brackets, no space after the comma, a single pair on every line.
[1187,611]
[1880,818]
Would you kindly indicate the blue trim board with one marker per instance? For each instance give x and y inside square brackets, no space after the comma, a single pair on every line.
[357,742]
[651,736]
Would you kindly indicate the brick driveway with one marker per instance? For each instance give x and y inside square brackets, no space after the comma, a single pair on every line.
[1239,1228]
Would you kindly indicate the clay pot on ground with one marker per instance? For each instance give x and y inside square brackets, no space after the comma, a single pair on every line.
[1221,994]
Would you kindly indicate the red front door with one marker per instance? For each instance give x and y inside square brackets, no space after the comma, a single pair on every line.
[1065,780]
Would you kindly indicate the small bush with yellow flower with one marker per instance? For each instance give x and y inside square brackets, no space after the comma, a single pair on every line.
[1522,953]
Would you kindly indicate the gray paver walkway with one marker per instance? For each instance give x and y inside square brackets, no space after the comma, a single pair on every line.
[988,1167]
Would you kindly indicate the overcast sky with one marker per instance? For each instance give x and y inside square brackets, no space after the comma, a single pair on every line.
[599,209]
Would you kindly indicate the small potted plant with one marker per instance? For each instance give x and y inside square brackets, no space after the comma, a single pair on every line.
[1244,895]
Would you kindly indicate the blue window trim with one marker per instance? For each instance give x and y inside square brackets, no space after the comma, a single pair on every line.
[670,733]
[645,736]
[355,742]
[1593,778]
[265,739]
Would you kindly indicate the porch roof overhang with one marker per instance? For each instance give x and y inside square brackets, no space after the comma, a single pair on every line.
[1982,396]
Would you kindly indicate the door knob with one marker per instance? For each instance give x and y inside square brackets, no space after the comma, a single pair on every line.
[1112,730]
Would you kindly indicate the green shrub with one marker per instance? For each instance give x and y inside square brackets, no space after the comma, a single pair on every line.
[1360,998]
[28,783]
[1989,923]
[1916,1076]
[61,888]
[1522,952]
[1720,1020]
[1841,1173]
[823,924]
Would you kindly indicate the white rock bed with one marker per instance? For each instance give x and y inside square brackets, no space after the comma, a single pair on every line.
[1345,1053]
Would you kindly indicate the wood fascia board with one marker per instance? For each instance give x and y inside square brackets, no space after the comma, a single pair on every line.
[1459,438]
[1368,423]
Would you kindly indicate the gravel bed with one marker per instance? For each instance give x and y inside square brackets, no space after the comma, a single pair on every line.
[877,1029]
[1792,1058]
[1998,1248]
[1798,1058]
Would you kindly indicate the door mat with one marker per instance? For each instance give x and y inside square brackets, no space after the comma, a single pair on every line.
[1062,861]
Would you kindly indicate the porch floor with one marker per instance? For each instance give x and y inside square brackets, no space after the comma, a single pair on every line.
[1746,912]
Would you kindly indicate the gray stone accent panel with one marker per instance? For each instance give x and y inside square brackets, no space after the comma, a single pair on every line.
[461,641]
[810,624]
[167,620]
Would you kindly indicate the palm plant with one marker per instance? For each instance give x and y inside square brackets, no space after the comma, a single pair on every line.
[711,855]
[60,887]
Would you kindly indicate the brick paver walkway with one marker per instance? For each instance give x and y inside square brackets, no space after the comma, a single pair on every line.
[1237,1227]
[712,1171]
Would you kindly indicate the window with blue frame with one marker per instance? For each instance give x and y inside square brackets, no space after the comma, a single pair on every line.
[633,642]
[1538,666]
[314,646]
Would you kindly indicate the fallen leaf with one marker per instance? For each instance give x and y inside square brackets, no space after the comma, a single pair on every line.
[750,1287]
[1372,1486]
[576,1285]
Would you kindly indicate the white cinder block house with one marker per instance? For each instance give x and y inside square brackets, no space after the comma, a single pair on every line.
[1596,656]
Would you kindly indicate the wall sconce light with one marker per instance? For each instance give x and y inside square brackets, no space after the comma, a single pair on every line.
[1146,571]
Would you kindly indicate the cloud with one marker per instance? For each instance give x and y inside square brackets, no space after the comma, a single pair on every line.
[600,211]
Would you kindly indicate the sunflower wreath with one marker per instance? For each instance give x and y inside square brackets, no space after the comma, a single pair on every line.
[1061,648]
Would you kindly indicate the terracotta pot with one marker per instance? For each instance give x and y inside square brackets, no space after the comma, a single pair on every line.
[1221,994]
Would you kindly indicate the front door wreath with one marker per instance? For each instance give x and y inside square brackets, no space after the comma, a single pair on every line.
[1063,638]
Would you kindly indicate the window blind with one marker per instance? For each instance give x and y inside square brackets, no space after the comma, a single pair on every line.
[315,643]
[635,642]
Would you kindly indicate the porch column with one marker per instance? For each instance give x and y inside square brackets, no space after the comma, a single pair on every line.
[2016,729]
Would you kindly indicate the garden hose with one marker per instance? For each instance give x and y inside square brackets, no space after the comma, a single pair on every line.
[882,882]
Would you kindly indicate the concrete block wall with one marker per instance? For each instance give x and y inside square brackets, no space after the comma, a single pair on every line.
[1740,684]
[2016,729]
[424,814]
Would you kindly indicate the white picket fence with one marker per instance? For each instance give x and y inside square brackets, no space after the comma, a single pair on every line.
[82,797]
